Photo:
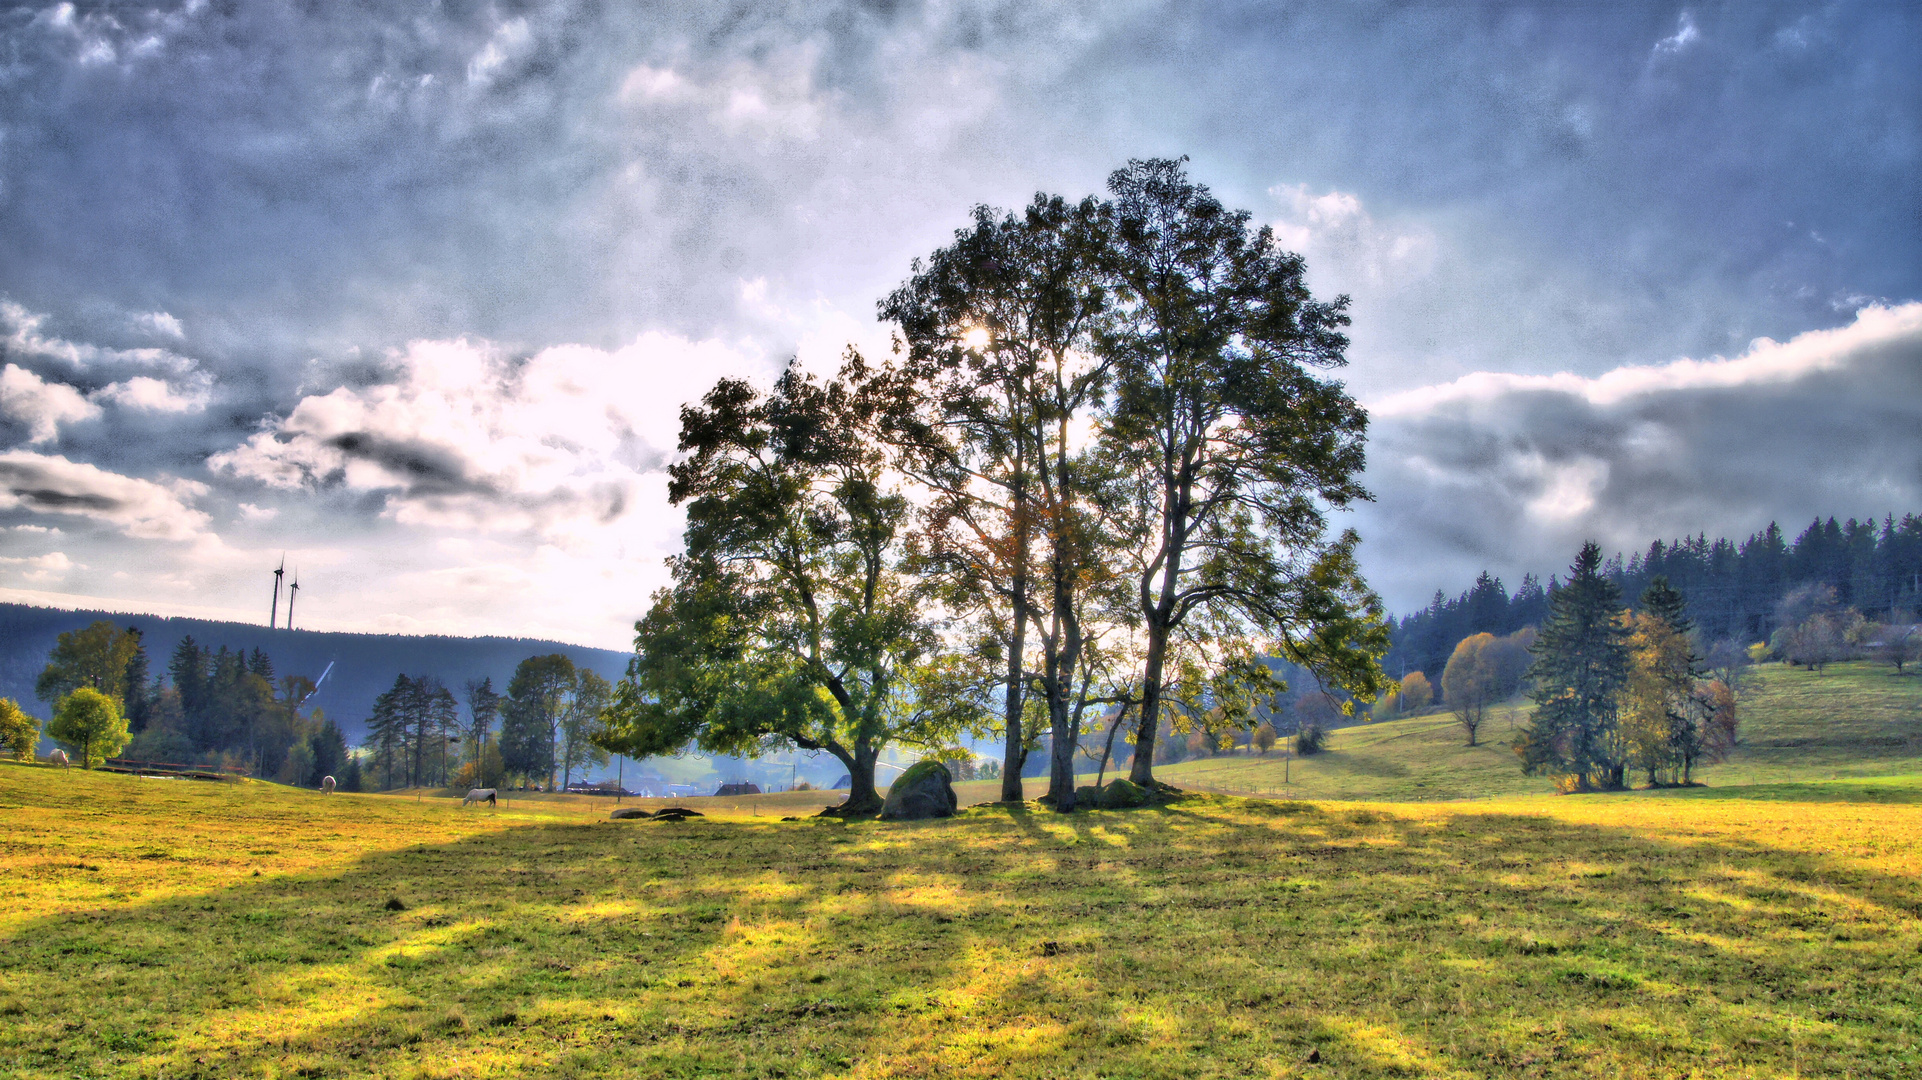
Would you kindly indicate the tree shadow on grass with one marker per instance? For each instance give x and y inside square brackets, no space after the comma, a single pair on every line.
[1211,936]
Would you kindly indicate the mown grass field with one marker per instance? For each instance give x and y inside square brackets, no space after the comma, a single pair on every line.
[186,929]
[1850,721]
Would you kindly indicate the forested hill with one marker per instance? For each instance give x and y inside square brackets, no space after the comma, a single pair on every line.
[364,664]
[1733,588]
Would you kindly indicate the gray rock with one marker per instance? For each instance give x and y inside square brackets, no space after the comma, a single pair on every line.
[626,812]
[926,790]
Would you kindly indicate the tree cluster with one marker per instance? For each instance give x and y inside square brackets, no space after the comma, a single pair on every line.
[1617,690]
[1090,487]
[1735,589]
[212,706]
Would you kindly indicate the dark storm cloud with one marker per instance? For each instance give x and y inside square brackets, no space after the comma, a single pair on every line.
[1511,474]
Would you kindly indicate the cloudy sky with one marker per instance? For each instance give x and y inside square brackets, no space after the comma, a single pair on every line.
[412,291]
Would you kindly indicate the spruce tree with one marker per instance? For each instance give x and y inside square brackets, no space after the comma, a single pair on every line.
[1580,668]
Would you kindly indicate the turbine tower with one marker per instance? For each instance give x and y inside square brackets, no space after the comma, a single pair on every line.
[273,619]
[293,593]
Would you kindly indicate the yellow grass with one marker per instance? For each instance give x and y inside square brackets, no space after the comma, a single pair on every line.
[181,929]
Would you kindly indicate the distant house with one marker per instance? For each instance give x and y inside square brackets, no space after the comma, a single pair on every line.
[739,789]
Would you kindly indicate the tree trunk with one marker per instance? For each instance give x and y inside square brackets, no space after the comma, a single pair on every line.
[862,798]
[1014,754]
[1142,771]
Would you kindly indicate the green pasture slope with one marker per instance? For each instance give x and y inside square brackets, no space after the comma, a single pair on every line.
[1800,732]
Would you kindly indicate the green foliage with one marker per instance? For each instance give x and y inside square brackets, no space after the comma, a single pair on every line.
[1580,669]
[19,732]
[1311,739]
[98,657]
[791,622]
[409,734]
[539,699]
[1229,447]
[89,722]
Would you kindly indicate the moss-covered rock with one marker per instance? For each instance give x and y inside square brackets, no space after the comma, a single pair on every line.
[925,790]
[1123,793]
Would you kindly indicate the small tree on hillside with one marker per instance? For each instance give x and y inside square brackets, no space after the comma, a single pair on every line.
[1265,737]
[1897,642]
[1581,664]
[1415,693]
[1469,682]
[90,722]
[19,732]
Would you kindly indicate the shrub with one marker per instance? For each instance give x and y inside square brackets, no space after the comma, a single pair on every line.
[1311,739]
[19,732]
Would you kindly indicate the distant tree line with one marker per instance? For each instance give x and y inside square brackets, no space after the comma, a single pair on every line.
[537,734]
[1734,590]
[212,706]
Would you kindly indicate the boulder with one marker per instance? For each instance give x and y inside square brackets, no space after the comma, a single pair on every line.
[626,812]
[926,790]
[1122,794]
[676,813]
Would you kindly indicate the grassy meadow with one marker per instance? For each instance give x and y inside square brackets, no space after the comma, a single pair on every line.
[173,928]
[1797,726]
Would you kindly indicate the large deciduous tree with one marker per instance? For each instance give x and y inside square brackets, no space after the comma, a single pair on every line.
[988,406]
[1580,670]
[100,656]
[790,622]
[1229,446]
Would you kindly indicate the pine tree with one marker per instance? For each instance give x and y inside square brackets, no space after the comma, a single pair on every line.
[1580,668]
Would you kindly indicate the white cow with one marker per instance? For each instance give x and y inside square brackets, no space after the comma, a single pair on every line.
[326,785]
[58,757]
[480,795]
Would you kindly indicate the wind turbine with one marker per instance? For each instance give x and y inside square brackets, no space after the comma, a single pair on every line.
[273,620]
[293,592]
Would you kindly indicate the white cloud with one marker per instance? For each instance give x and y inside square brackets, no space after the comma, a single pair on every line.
[39,568]
[146,394]
[257,515]
[511,40]
[1510,473]
[40,406]
[775,95]
[24,335]
[144,509]
[467,436]
[1765,362]
[159,324]
[1338,237]
[1685,35]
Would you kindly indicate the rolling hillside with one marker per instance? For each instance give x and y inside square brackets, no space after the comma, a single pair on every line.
[364,665]
[1851,721]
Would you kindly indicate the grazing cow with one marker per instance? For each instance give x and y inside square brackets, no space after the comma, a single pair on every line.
[58,757]
[326,785]
[480,795]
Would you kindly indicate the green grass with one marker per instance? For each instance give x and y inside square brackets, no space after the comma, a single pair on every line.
[181,929]
[1852,721]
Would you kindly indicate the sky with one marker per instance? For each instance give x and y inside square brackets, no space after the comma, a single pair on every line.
[411,293]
